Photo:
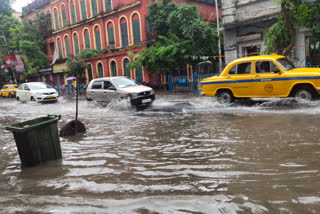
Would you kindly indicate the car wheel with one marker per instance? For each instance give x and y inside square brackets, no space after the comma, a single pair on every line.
[225,97]
[303,94]
[32,99]
[18,99]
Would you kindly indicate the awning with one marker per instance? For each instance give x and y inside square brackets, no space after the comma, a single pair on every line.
[45,70]
[60,68]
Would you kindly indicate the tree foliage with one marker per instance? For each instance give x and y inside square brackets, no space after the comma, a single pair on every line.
[180,31]
[5,25]
[280,37]
[5,8]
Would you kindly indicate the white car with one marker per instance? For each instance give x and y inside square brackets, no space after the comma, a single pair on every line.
[36,91]
[110,88]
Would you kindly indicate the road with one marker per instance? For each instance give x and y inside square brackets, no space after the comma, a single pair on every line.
[185,154]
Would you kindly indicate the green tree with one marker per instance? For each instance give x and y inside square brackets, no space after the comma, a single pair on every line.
[5,25]
[180,31]
[280,37]
[28,40]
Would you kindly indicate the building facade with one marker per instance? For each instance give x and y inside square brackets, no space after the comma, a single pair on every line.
[245,24]
[115,27]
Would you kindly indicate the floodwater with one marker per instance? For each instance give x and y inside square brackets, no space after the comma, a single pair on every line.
[185,154]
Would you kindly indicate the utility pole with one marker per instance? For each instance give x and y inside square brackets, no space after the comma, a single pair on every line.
[218,30]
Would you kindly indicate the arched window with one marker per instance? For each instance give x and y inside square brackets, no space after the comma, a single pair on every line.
[60,48]
[139,75]
[64,15]
[76,43]
[89,70]
[67,45]
[114,68]
[110,33]
[72,12]
[124,32]
[97,37]
[94,7]
[136,29]
[108,5]
[56,18]
[83,9]
[86,38]
[126,69]
[100,69]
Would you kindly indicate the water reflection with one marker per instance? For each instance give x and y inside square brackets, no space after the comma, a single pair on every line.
[185,154]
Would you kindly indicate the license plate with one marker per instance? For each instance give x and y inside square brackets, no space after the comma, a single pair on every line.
[50,97]
[146,100]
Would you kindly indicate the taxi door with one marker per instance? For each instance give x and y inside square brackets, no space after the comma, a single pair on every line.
[268,81]
[240,79]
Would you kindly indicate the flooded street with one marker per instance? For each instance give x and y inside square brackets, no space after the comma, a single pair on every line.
[185,154]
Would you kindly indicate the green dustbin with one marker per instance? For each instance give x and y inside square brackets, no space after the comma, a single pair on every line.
[37,140]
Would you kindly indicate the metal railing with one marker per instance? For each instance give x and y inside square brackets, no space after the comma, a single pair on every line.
[187,82]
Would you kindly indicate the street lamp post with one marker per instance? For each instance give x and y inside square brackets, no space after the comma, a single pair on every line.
[218,30]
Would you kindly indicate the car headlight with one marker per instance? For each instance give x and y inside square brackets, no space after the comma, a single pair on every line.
[152,91]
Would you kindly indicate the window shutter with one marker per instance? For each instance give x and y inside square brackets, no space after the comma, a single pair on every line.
[87,40]
[83,10]
[94,7]
[124,35]
[76,45]
[108,5]
[90,73]
[126,69]
[111,35]
[136,31]
[100,70]
[68,47]
[149,29]
[60,50]
[64,18]
[114,69]
[98,40]
[139,77]
[73,15]
[56,19]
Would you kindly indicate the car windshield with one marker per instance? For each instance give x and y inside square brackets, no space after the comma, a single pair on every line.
[40,85]
[285,64]
[12,86]
[123,82]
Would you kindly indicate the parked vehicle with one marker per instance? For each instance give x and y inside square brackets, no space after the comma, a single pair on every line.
[9,90]
[263,76]
[110,88]
[36,91]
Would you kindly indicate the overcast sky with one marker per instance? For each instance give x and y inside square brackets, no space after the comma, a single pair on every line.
[18,4]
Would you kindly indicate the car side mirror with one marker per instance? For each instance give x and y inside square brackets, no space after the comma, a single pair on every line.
[27,89]
[112,88]
[276,70]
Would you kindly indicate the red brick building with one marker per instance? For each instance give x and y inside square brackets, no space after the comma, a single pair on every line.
[113,26]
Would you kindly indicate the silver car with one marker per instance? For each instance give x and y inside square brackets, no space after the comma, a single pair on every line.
[110,88]
[36,91]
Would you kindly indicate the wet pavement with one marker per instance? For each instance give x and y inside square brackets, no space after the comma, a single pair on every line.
[185,154]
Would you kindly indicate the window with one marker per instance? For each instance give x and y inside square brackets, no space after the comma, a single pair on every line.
[60,49]
[263,67]
[126,69]
[139,75]
[64,16]
[73,12]
[136,29]
[107,85]
[56,19]
[124,32]
[76,43]
[110,33]
[67,45]
[83,9]
[100,69]
[97,37]
[97,85]
[108,5]
[86,39]
[94,7]
[114,68]
[90,72]
[241,68]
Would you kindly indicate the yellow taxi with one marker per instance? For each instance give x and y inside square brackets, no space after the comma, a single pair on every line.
[9,90]
[263,76]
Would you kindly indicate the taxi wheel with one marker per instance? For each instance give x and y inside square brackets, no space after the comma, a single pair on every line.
[225,97]
[303,94]
[10,95]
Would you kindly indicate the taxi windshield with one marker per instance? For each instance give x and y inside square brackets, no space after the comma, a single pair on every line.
[285,64]
[12,86]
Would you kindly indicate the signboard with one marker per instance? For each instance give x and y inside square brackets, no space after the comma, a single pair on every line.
[10,60]
[19,64]
[60,68]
